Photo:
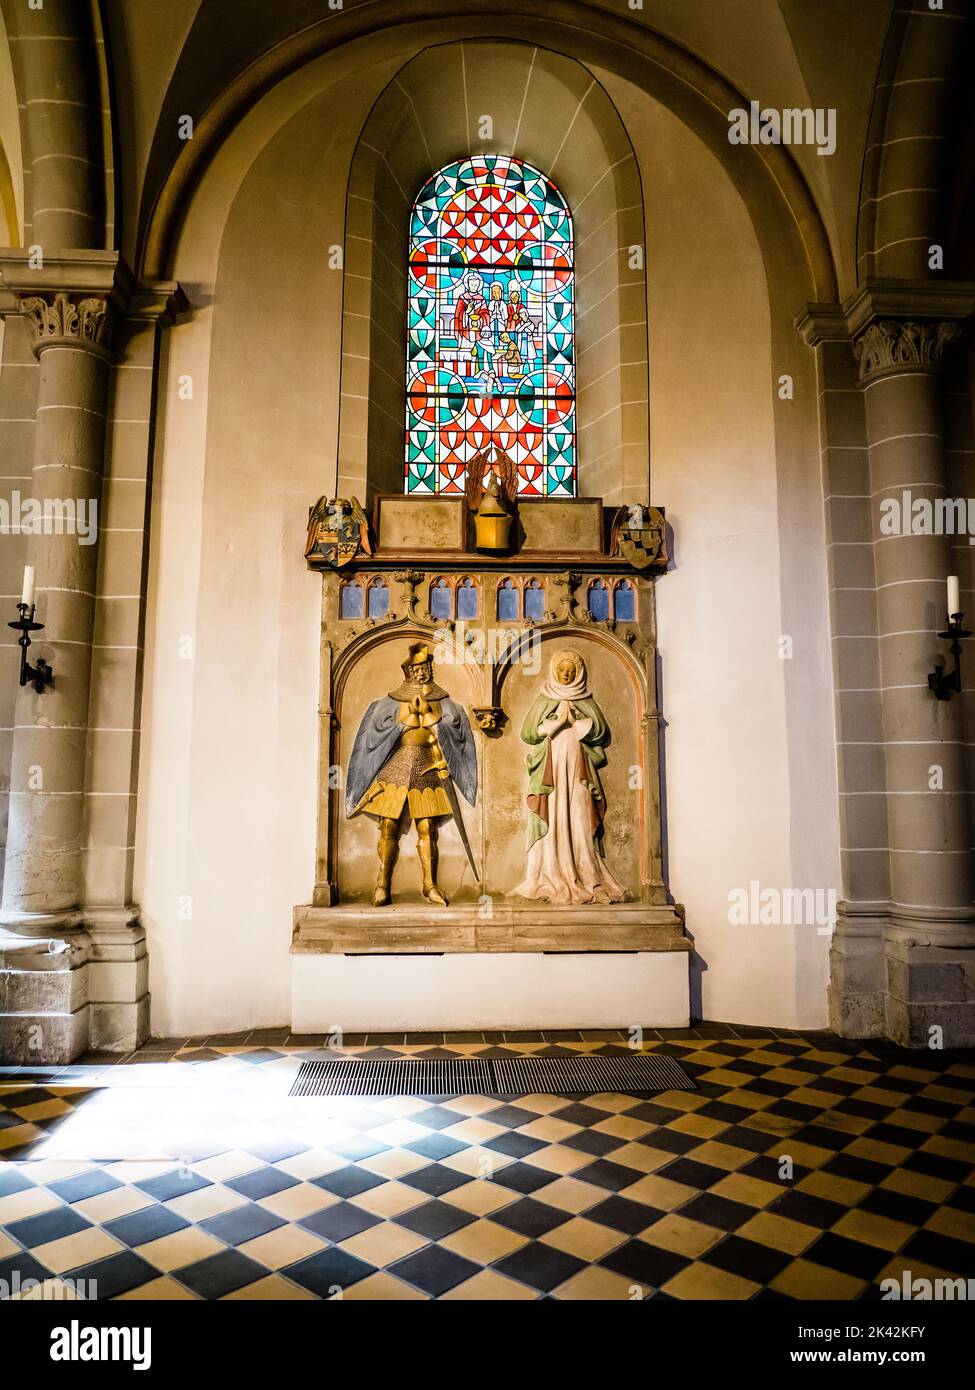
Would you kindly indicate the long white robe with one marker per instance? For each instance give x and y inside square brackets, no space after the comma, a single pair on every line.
[564,865]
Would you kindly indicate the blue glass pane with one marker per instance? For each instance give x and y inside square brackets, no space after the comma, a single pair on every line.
[467,599]
[378,600]
[350,601]
[534,601]
[441,600]
[599,603]
[625,603]
[507,603]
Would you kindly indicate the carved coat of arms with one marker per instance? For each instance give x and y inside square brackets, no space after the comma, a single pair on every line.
[338,531]
[640,536]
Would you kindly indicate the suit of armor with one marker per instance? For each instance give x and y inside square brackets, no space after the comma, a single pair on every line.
[409,747]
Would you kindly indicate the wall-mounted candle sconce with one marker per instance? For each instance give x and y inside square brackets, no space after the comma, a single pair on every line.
[41,675]
[943,684]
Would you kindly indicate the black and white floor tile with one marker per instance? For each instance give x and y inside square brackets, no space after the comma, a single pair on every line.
[803,1167]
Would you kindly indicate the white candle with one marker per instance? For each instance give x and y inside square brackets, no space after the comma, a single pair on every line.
[954,596]
[27,597]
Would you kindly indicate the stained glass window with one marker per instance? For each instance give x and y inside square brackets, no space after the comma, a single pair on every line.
[491,335]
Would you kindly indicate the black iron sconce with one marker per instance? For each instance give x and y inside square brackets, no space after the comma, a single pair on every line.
[943,684]
[41,675]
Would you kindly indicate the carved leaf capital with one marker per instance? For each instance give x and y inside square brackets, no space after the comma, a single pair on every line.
[891,345]
[65,320]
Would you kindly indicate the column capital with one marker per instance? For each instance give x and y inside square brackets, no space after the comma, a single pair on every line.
[898,345]
[78,299]
[893,325]
[63,320]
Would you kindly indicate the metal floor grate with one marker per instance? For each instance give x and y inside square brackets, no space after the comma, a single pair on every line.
[408,1076]
[640,1073]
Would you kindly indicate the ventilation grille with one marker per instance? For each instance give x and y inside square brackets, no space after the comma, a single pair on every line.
[420,1076]
[638,1074]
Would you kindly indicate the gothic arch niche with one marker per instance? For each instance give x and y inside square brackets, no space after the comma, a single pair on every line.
[547,110]
[631,833]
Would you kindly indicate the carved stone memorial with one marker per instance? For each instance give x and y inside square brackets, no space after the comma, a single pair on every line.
[498,710]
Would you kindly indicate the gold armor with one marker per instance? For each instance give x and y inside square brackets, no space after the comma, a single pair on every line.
[410,785]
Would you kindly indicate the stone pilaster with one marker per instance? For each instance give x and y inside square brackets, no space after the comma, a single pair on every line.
[931,924]
[67,909]
[902,962]
[43,876]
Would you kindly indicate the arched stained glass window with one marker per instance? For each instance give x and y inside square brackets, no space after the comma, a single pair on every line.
[491,332]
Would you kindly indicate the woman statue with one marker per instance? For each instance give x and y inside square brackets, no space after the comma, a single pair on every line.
[567,732]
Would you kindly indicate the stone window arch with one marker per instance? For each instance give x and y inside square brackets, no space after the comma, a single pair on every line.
[509,601]
[533,598]
[468,605]
[597,176]
[441,598]
[351,599]
[597,601]
[378,598]
[624,601]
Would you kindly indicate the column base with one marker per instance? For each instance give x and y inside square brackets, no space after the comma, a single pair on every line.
[84,990]
[905,974]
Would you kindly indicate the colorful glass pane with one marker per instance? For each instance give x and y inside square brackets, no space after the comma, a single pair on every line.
[490,353]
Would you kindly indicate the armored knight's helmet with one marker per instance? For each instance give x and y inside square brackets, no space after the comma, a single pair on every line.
[418,666]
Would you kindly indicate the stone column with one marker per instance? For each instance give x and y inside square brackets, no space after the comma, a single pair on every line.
[73,965]
[43,877]
[53,50]
[930,930]
[901,961]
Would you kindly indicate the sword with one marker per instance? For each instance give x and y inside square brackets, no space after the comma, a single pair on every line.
[451,790]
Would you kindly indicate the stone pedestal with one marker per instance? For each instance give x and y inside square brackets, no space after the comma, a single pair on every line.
[530,966]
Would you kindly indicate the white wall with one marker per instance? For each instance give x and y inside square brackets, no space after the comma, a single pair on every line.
[228,795]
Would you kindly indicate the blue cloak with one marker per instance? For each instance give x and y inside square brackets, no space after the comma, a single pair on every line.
[380,732]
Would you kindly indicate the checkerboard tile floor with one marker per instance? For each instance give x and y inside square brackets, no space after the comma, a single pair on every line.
[804,1167]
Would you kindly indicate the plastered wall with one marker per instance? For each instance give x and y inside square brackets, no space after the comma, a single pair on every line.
[226,836]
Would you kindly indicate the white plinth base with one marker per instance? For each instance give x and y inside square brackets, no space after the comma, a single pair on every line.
[496,990]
